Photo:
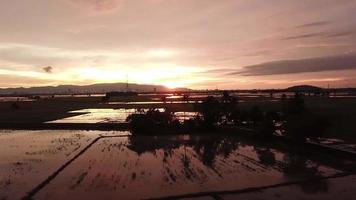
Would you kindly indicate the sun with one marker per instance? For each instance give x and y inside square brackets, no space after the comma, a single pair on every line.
[172,85]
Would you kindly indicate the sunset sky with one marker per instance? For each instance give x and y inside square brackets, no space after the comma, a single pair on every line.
[178,43]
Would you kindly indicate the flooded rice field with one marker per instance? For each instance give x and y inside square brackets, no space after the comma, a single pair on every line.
[336,144]
[28,157]
[328,189]
[150,102]
[103,115]
[112,165]
[97,116]
[168,166]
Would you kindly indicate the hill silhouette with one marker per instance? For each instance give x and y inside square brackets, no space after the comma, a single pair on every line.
[83,89]
[304,88]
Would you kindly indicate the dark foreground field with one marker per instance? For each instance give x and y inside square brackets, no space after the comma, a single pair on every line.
[340,111]
[117,165]
[65,156]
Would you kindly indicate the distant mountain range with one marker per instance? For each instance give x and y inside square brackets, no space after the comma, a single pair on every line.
[110,87]
[94,88]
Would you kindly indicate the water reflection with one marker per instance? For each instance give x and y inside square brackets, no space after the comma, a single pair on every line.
[159,166]
[109,115]
[266,156]
[298,166]
[151,102]
[212,151]
[93,115]
[315,186]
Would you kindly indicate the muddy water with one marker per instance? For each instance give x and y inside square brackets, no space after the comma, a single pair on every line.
[28,157]
[138,167]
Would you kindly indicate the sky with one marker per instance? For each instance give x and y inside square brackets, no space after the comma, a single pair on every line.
[200,44]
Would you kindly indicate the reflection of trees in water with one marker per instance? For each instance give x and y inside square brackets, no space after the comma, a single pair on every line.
[185,159]
[296,166]
[266,156]
[208,149]
[148,144]
[315,186]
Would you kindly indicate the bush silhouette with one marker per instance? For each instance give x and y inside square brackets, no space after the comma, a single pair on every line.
[306,125]
[210,109]
[255,115]
[296,104]
[266,126]
[153,122]
[15,106]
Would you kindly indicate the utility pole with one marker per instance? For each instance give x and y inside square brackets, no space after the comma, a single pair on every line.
[127,82]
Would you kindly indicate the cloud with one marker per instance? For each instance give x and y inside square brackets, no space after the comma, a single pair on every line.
[10,80]
[48,69]
[302,36]
[217,71]
[317,64]
[314,24]
[340,34]
[262,52]
[321,35]
[98,5]
[119,35]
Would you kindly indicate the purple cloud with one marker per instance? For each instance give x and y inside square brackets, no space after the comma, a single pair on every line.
[317,64]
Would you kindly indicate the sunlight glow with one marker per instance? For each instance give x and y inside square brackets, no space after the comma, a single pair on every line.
[169,75]
[161,53]
[172,85]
